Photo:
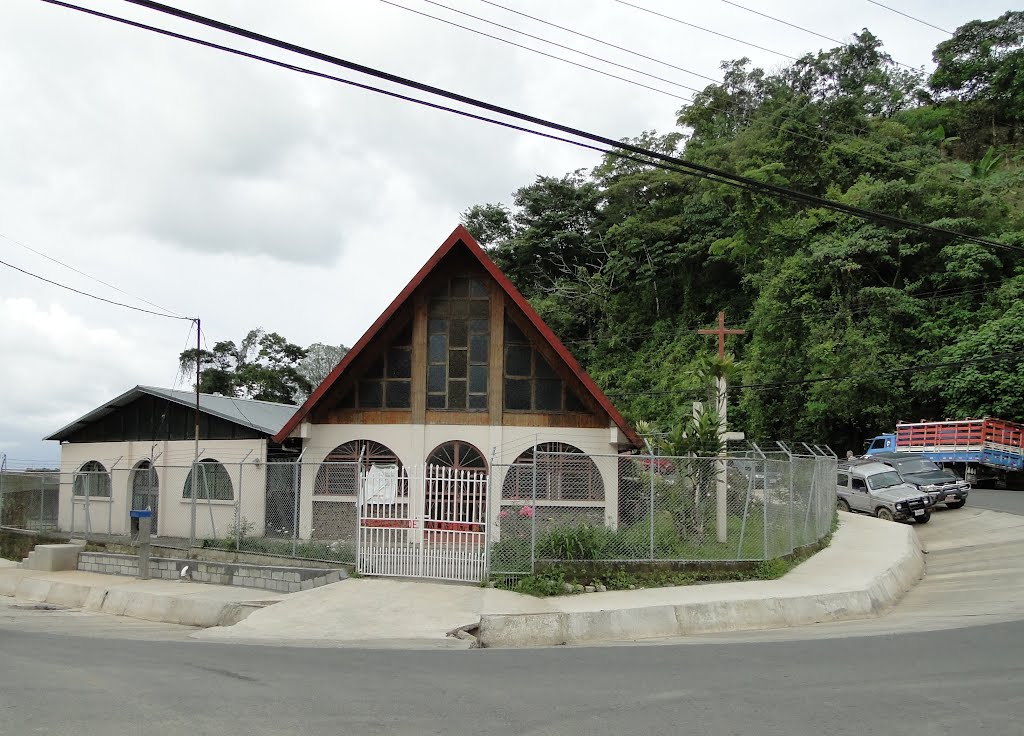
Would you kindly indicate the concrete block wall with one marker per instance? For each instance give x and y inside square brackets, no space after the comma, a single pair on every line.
[275,579]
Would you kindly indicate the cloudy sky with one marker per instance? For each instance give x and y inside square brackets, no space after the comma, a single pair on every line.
[250,195]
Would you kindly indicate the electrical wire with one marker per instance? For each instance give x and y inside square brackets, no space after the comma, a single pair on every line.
[783,22]
[787,131]
[88,276]
[801,28]
[905,15]
[706,30]
[595,40]
[654,158]
[550,56]
[92,296]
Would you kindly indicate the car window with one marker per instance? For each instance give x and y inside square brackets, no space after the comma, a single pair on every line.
[858,484]
[843,480]
[884,480]
[916,466]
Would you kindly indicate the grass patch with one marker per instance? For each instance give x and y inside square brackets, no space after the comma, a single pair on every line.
[570,578]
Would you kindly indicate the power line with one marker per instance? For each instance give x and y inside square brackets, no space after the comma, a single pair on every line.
[81,272]
[800,28]
[905,15]
[550,56]
[783,22]
[202,334]
[702,28]
[598,40]
[92,296]
[677,164]
[787,131]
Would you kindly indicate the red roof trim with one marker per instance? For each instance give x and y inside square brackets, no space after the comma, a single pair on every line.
[461,235]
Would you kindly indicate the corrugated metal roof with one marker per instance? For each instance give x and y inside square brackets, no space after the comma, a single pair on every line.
[263,416]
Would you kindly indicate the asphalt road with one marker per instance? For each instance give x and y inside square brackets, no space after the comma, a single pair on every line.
[927,668]
[1010,502]
[968,681]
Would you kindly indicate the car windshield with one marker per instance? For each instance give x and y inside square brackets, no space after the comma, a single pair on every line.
[916,466]
[884,480]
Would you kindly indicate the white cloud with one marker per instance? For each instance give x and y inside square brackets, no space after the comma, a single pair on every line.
[251,195]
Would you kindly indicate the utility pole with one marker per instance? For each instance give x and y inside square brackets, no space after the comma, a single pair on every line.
[722,408]
[195,459]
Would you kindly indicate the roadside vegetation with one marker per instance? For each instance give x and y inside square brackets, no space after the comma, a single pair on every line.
[627,261]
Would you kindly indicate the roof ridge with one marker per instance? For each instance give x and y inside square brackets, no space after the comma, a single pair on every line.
[461,235]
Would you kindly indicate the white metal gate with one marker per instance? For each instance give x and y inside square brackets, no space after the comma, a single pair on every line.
[428,521]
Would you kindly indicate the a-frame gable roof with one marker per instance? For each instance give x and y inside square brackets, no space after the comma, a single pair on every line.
[461,237]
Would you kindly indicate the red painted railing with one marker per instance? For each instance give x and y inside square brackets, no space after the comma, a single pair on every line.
[960,435]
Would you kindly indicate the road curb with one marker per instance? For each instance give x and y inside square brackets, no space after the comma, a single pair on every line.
[768,610]
[114,601]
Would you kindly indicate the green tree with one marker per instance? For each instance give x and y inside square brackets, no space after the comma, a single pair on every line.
[984,61]
[319,361]
[263,366]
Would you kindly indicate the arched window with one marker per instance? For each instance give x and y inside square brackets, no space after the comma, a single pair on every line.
[562,473]
[213,482]
[144,484]
[336,475]
[92,480]
[458,455]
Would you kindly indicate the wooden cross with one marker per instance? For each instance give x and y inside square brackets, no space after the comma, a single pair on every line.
[721,332]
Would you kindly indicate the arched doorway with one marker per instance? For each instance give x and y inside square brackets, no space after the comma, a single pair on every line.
[457,455]
[455,489]
[144,486]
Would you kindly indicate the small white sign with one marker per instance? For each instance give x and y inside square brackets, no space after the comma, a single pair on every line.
[380,484]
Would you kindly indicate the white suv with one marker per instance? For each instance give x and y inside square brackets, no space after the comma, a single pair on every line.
[874,488]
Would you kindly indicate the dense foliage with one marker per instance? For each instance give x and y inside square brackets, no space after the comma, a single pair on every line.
[627,261]
[263,366]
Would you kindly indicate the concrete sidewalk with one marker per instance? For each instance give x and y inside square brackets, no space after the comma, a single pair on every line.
[868,568]
[173,602]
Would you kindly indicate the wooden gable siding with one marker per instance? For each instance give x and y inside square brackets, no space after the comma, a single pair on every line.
[333,409]
[153,419]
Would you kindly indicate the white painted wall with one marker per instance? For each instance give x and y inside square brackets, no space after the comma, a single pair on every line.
[412,444]
[173,461]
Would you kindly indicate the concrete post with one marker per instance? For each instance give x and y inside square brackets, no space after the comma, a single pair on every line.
[722,486]
[145,519]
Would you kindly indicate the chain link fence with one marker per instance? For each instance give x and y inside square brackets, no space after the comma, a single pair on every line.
[551,506]
[29,499]
[565,507]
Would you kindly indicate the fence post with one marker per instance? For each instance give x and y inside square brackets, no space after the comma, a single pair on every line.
[764,512]
[792,510]
[295,513]
[191,480]
[652,508]
[238,506]
[3,467]
[533,516]
[490,512]
[42,501]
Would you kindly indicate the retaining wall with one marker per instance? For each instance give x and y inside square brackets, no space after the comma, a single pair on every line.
[275,578]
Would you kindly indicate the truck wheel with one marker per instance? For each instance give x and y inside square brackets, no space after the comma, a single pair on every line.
[842,505]
[924,519]
[884,514]
[956,504]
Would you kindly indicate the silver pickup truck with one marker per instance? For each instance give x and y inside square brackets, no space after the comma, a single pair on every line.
[875,488]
